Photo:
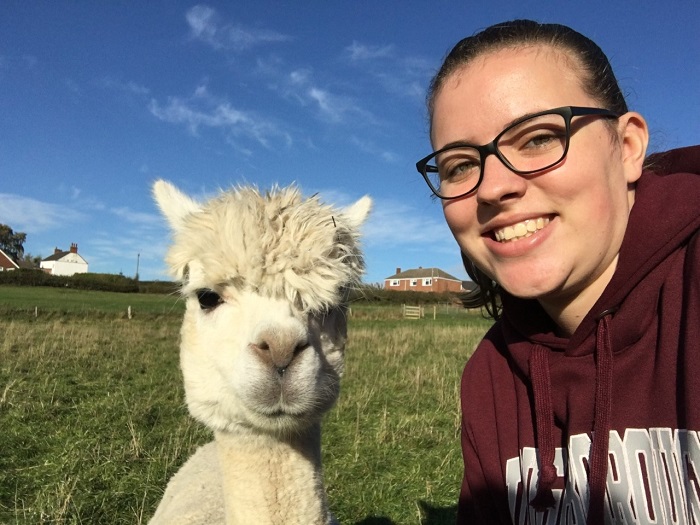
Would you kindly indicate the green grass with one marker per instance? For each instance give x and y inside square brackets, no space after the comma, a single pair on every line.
[93,422]
[62,301]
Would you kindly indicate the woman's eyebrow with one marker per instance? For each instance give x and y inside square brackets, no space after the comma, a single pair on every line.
[507,125]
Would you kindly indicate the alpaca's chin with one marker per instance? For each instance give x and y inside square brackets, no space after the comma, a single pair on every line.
[278,421]
[284,423]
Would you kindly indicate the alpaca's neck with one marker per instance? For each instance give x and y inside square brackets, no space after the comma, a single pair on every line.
[272,481]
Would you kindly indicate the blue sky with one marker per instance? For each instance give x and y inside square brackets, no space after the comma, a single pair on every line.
[99,99]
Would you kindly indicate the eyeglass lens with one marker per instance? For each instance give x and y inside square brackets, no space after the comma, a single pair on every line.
[529,146]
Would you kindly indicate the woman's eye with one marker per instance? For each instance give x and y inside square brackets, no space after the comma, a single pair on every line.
[208,299]
[540,140]
[460,171]
[544,140]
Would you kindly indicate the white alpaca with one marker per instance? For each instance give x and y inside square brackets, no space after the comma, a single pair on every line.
[264,276]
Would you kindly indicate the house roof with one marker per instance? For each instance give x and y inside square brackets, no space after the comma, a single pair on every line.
[58,255]
[6,261]
[421,273]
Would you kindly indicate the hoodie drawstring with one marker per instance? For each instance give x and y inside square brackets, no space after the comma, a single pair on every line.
[598,475]
[544,419]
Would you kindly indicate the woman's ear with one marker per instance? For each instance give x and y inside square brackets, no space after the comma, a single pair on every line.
[634,139]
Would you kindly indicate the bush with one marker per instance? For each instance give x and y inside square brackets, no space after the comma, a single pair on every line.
[103,282]
[375,294]
[158,287]
[81,281]
[23,277]
[107,282]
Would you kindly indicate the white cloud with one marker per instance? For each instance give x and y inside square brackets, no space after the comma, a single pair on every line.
[203,111]
[401,75]
[300,77]
[179,111]
[202,91]
[371,148]
[358,52]
[330,106]
[206,25]
[127,87]
[339,108]
[392,224]
[33,216]
[402,84]
[300,86]
[138,218]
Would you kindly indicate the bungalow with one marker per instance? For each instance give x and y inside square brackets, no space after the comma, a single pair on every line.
[6,263]
[423,280]
[64,263]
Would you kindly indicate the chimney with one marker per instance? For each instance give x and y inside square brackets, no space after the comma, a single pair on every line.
[398,270]
[73,248]
[56,250]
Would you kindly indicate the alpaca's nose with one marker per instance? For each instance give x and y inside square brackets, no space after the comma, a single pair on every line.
[277,348]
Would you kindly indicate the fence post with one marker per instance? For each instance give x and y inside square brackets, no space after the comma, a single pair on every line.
[128,312]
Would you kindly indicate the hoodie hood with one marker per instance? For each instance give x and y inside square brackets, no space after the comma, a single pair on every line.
[661,221]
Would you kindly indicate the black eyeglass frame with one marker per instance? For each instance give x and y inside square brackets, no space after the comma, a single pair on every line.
[566,112]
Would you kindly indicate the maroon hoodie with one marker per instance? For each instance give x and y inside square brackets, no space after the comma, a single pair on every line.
[601,427]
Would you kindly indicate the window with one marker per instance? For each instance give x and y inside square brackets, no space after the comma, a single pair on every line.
[428,281]
[394,282]
[414,282]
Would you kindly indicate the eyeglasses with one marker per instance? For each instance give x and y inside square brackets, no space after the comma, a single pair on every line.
[528,145]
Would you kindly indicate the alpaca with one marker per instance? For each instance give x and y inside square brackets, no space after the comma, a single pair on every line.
[264,277]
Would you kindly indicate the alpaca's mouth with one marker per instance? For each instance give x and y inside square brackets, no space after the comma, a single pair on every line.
[281,412]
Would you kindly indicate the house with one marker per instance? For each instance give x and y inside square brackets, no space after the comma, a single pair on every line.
[423,280]
[6,263]
[64,263]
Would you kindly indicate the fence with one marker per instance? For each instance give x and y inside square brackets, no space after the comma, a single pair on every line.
[413,312]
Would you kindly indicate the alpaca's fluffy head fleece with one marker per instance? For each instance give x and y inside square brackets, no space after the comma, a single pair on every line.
[264,276]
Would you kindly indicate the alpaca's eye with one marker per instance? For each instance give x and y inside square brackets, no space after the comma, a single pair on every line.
[208,299]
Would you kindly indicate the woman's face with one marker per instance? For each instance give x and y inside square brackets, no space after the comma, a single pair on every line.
[579,208]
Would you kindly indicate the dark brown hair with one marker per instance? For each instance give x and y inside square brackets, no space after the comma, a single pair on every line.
[597,80]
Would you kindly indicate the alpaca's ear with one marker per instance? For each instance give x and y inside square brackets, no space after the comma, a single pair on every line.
[174,204]
[357,213]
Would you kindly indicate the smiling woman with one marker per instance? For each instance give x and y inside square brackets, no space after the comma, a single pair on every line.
[596,299]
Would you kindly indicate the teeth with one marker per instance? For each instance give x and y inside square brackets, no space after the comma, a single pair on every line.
[520,230]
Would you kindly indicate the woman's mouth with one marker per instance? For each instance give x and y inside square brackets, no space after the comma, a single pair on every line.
[520,230]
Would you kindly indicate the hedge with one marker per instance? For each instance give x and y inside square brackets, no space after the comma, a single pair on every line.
[104,282]
[107,282]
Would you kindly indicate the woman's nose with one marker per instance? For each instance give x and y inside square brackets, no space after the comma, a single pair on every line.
[499,183]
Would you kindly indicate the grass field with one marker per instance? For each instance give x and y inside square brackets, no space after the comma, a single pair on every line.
[93,422]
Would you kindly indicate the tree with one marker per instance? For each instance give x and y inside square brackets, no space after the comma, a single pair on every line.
[12,243]
[32,260]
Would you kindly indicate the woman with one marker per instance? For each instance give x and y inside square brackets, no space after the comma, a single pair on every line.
[582,401]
